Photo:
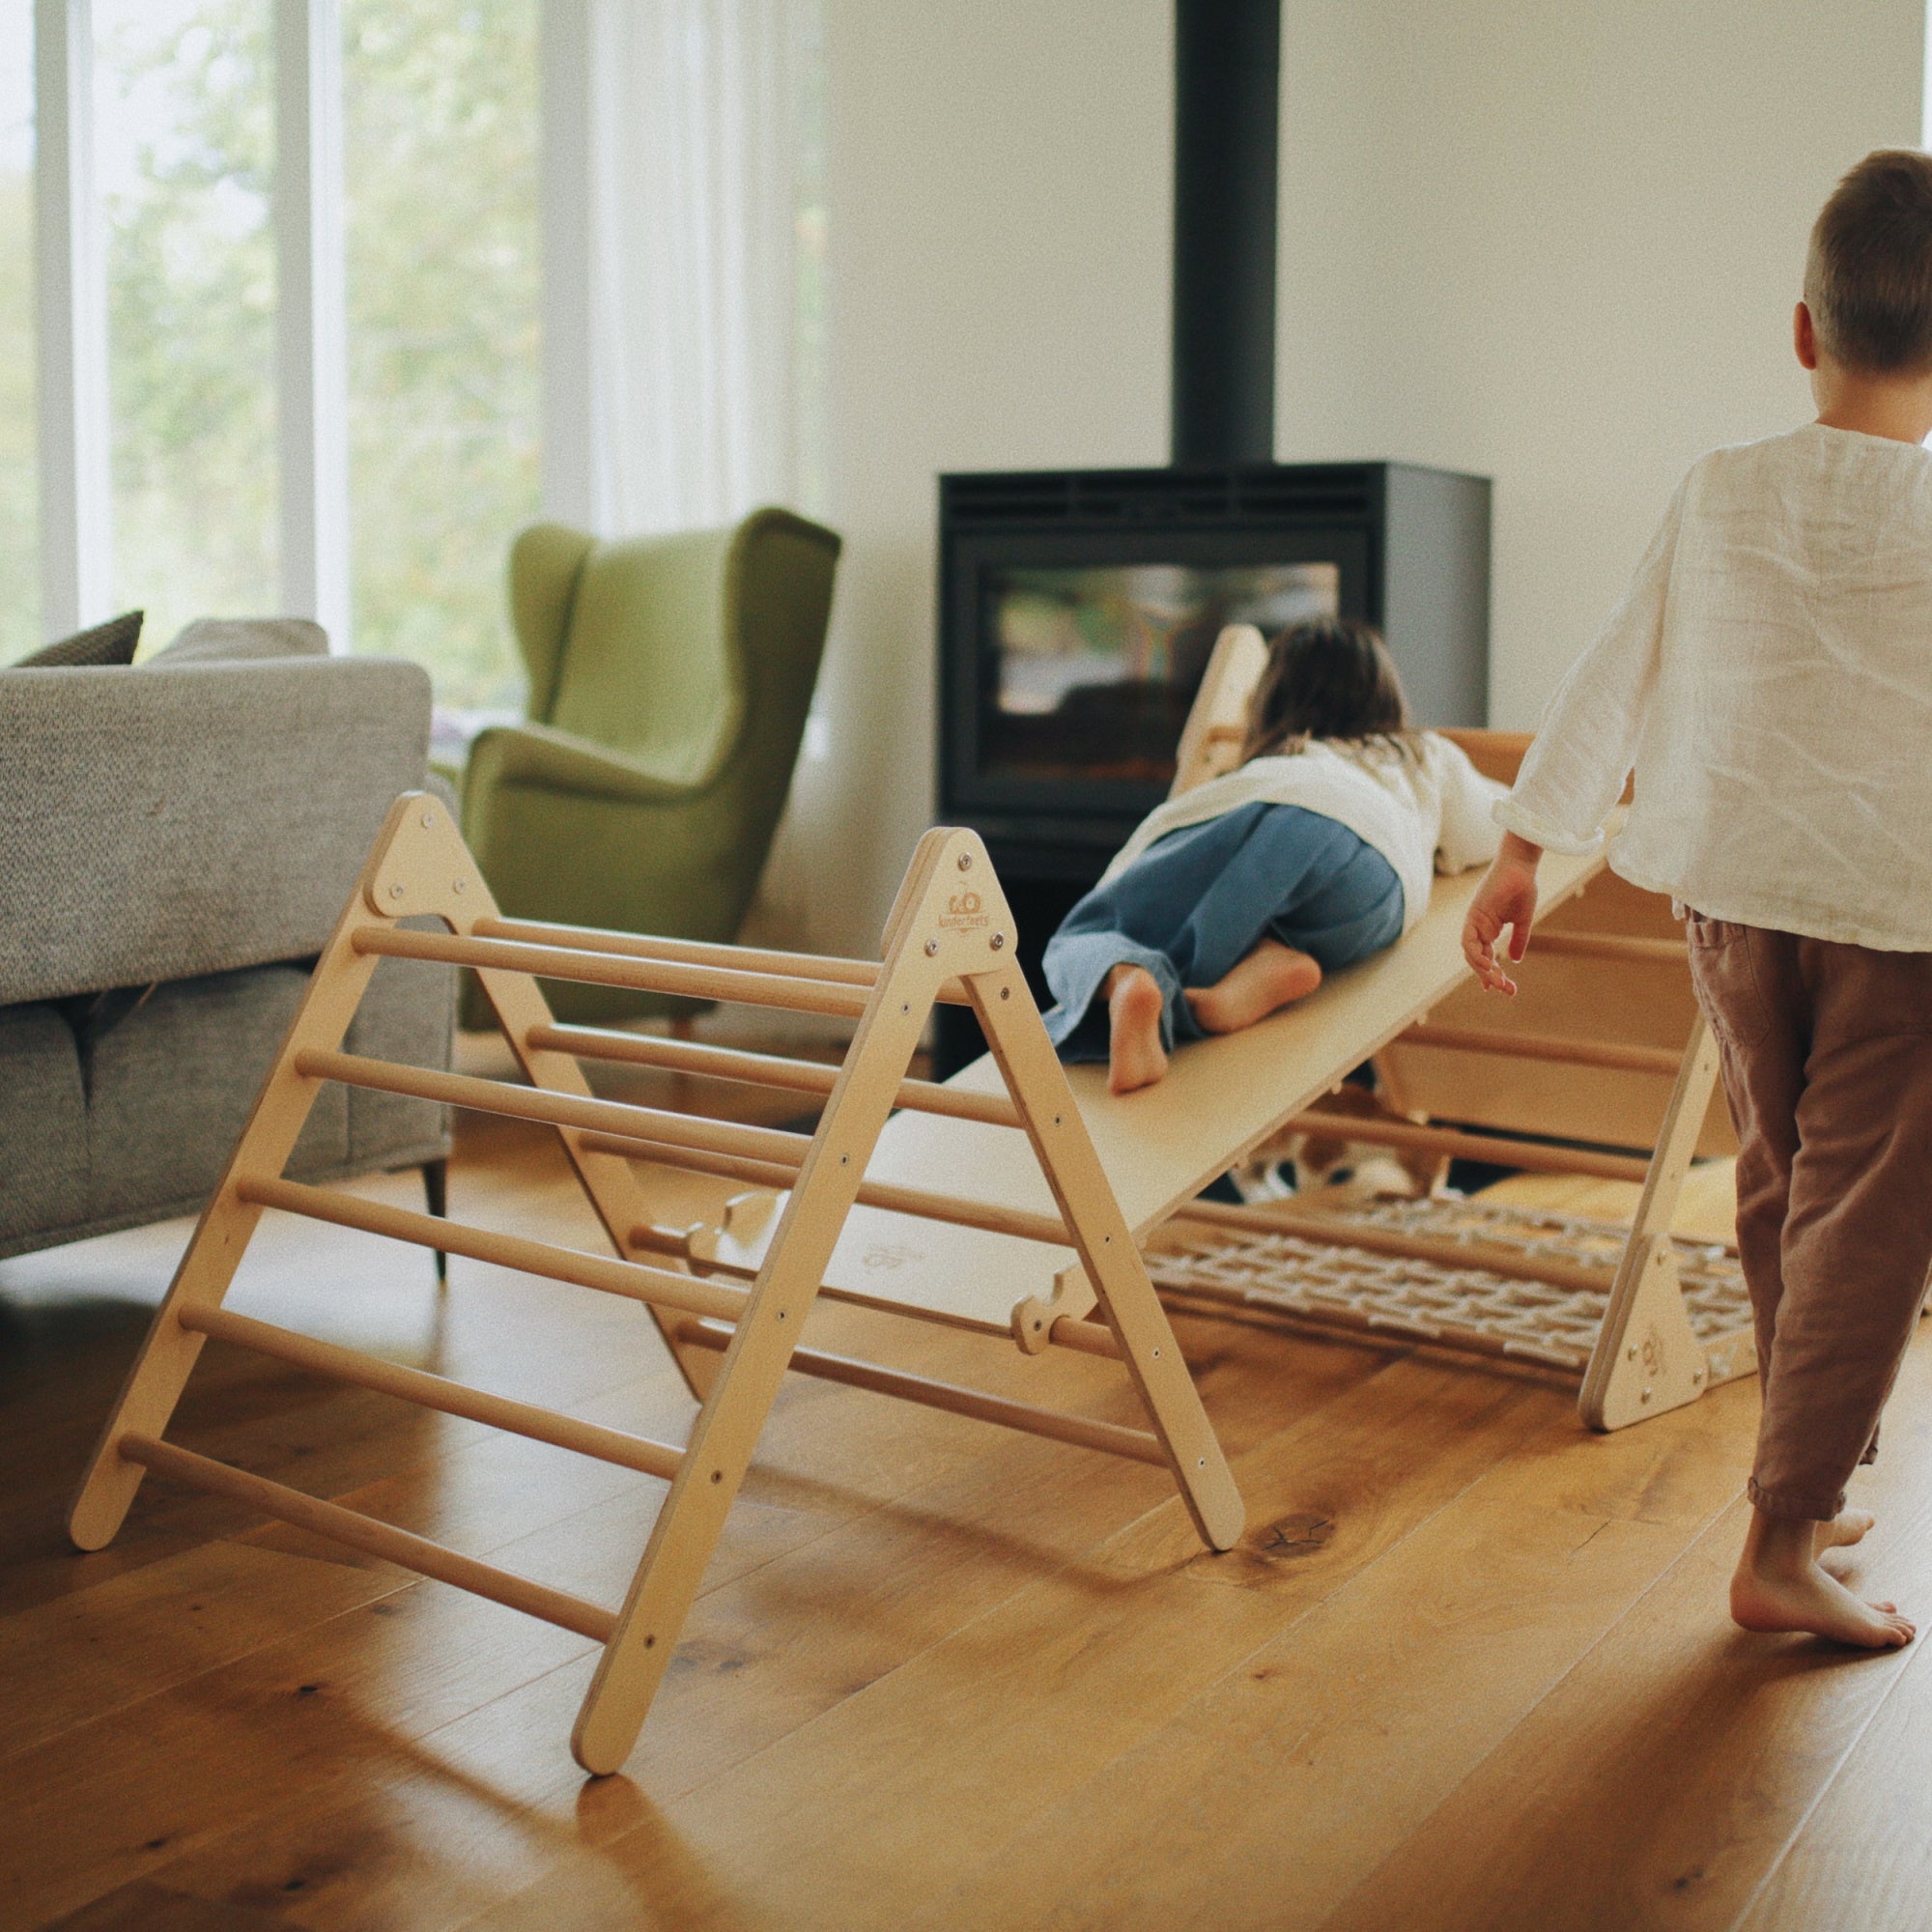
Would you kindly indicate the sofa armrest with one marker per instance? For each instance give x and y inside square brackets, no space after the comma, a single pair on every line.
[178,820]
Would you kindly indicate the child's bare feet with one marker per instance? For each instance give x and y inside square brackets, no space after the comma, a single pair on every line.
[1272,976]
[1135,1055]
[1779,1584]
[1847,1528]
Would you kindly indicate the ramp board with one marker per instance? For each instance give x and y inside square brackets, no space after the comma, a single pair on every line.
[950,938]
[1161,1145]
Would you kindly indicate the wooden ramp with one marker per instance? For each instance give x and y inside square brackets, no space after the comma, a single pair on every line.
[734,1331]
[1224,1098]
[1159,1146]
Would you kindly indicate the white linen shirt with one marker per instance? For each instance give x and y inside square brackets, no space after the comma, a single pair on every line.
[1769,678]
[1426,809]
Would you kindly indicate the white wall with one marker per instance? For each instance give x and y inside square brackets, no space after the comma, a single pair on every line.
[1559,243]
[999,185]
[1554,241]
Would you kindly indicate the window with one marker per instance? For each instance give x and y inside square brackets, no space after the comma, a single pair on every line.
[221,344]
[184,140]
[441,141]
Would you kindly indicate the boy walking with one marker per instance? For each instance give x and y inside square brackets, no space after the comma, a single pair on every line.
[1769,679]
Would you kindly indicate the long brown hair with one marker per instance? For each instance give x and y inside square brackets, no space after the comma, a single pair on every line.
[1326,677]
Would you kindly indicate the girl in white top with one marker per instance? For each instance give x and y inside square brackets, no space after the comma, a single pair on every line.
[1234,899]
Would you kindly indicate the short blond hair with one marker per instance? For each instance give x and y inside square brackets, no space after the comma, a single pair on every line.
[1868,273]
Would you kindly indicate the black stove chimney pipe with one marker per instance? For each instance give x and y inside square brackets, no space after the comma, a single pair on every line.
[1227,69]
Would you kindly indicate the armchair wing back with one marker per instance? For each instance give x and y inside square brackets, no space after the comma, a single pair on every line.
[670,681]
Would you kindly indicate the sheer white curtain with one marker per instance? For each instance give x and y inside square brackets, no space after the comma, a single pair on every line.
[698,154]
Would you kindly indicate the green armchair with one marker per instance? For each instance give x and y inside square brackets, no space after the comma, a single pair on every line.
[670,680]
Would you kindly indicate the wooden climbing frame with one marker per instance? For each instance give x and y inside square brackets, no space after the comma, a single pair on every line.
[1646,1321]
[950,938]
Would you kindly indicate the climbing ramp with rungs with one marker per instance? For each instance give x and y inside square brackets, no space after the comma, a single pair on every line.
[732,1324]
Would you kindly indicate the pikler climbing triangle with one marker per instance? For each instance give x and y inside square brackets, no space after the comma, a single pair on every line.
[950,938]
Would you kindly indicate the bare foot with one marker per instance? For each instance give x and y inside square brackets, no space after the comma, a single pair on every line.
[1847,1528]
[1779,1586]
[1135,1055]
[1272,976]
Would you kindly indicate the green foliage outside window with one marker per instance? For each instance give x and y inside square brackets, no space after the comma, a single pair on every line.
[440,150]
[186,142]
[443,362]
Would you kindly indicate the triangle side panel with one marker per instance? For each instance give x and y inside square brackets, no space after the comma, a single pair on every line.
[160,1371]
[1107,1251]
[755,1361]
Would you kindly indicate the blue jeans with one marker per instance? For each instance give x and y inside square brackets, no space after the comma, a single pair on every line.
[1201,899]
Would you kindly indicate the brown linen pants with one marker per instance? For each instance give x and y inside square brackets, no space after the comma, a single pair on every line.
[1827,1053]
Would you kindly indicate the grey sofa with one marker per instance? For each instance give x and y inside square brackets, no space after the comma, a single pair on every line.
[177,841]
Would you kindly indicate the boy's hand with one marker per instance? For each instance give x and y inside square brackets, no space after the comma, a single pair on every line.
[1506,898]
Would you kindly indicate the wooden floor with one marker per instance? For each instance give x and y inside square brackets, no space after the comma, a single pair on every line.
[1470,1668]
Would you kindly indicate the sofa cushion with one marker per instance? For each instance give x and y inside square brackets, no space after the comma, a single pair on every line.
[190,818]
[42,1123]
[170,1086]
[113,642]
[225,639]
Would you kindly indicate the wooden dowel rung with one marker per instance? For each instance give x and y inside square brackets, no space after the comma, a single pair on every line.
[1339,1232]
[694,1160]
[1137,1444]
[988,1215]
[760,1069]
[361,1532]
[1547,1046]
[635,1280]
[1534,1156]
[683,952]
[609,969]
[1610,946]
[1089,1338]
[559,1110]
[437,1392]
[810,966]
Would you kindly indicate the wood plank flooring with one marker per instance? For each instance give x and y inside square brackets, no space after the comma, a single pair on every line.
[1470,1667]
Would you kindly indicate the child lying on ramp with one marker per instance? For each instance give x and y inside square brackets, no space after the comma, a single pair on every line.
[1235,897]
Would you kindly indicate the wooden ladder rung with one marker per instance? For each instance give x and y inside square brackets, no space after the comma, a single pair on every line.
[609,969]
[1138,1445]
[1087,1338]
[1549,1046]
[361,1532]
[684,951]
[439,1392]
[636,1280]
[916,1201]
[557,1110]
[758,1070]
